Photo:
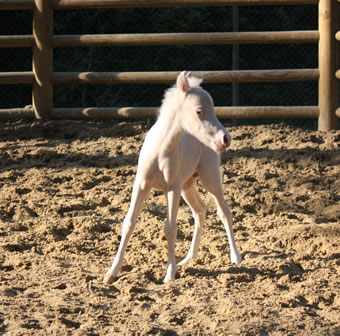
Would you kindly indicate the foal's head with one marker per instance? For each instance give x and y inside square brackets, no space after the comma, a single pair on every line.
[196,113]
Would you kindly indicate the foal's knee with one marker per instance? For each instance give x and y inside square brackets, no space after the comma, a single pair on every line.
[223,209]
[203,209]
[128,226]
[169,230]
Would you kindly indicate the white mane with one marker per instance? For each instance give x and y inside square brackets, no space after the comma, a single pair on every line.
[194,81]
[171,98]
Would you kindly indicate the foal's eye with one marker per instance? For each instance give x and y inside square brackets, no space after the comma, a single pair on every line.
[200,112]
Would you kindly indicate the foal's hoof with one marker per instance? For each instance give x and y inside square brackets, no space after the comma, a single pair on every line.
[168,279]
[236,258]
[108,279]
[185,261]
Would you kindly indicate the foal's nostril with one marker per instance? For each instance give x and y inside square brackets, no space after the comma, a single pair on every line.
[226,140]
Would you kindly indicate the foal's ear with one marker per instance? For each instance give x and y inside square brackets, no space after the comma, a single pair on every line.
[182,82]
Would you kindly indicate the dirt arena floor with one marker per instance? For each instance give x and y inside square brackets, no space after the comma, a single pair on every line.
[65,188]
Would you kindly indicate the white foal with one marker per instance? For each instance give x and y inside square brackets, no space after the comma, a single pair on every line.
[180,148]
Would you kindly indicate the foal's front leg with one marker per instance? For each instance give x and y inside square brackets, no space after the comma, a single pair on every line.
[170,230]
[139,193]
[211,179]
[225,215]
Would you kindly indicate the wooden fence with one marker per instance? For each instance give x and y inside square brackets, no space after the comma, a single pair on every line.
[43,78]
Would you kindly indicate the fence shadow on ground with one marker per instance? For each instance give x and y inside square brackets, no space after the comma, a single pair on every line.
[54,133]
[67,130]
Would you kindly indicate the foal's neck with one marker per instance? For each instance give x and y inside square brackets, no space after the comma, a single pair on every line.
[170,133]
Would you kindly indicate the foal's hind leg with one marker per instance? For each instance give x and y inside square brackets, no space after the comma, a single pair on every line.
[198,209]
[170,229]
[139,194]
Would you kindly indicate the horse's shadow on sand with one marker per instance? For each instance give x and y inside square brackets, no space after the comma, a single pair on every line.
[245,274]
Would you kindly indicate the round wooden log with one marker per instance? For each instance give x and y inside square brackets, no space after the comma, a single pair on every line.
[223,112]
[266,112]
[170,77]
[337,35]
[42,58]
[337,112]
[105,113]
[337,74]
[25,77]
[328,65]
[16,113]
[76,4]
[16,4]
[16,41]
[186,39]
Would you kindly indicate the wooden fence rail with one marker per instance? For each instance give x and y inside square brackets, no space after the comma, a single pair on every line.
[103,113]
[170,77]
[43,42]
[76,4]
[185,39]
[242,76]
[243,112]
[88,4]
[22,41]
[24,77]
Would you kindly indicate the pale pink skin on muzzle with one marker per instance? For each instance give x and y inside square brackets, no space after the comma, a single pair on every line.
[180,148]
[224,142]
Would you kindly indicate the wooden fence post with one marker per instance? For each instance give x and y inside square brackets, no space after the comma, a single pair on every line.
[236,56]
[328,64]
[42,58]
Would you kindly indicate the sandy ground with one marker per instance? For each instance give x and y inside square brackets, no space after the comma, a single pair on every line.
[65,188]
